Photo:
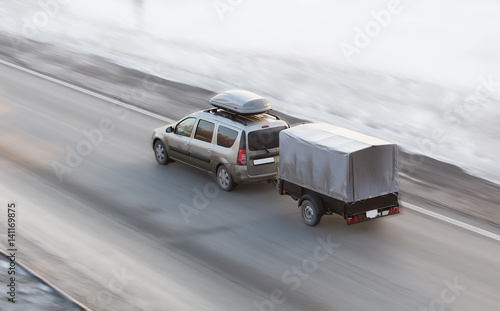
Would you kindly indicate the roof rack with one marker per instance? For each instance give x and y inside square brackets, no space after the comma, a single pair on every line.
[272,114]
[226,114]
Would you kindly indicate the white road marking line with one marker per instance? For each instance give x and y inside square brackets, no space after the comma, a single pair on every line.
[88,92]
[452,221]
[159,117]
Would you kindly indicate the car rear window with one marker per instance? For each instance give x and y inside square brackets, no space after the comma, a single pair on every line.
[265,138]
[226,136]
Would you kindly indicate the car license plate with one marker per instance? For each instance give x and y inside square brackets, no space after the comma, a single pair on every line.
[372,214]
[263,161]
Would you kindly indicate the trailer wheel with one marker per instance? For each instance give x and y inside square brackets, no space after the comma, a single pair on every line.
[311,210]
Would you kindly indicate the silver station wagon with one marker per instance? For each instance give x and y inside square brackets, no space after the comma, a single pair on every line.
[237,140]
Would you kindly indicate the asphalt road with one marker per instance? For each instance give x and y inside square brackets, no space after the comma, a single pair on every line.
[117,231]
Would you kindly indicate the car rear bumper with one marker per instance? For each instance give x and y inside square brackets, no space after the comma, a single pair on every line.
[240,174]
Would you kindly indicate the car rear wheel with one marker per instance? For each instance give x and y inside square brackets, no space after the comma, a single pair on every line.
[161,153]
[311,211]
[224,179]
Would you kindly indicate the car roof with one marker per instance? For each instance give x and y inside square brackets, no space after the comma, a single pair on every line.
[240,121]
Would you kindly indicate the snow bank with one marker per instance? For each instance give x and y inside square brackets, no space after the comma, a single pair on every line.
[413,81]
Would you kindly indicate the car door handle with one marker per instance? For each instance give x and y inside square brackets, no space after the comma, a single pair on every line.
[186,143]
[209,149]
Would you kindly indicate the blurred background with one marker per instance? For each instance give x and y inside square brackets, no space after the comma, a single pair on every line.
[405,71]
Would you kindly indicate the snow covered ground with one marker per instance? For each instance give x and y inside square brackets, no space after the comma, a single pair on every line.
[424,74]
[31,292]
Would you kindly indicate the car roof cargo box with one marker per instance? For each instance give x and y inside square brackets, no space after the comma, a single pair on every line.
[241,102]
[338,162]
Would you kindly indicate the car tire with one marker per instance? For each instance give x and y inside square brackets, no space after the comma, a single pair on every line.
[311,211]
[161,153]
[224,179]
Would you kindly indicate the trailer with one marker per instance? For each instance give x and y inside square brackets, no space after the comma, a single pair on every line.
[332,170]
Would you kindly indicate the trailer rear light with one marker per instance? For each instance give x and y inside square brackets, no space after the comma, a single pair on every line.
[355,219]
[394,210]
[242,157]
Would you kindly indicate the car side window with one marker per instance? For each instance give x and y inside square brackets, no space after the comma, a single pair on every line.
[185,127]
[204,131]
[226,136]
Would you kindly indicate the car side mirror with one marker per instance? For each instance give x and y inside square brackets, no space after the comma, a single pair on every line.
[169,129]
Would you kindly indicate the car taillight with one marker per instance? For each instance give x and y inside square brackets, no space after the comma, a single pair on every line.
[242,157]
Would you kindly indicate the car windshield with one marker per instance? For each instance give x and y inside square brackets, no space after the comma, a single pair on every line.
[264,139]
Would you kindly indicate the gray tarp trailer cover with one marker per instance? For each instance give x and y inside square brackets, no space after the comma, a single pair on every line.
[337,162]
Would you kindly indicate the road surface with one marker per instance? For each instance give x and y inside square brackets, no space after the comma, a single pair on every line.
[102,220]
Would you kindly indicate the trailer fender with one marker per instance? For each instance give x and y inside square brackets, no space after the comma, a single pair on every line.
[313,198]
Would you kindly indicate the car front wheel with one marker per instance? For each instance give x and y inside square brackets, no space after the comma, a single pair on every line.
[161,153]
